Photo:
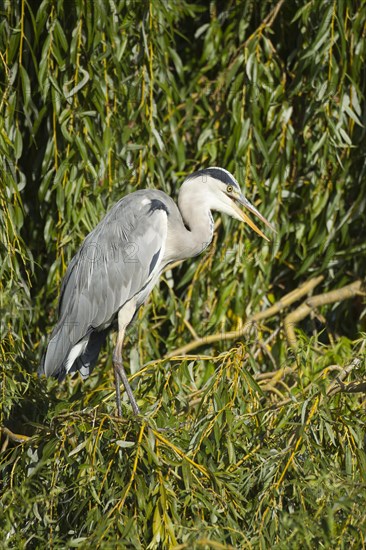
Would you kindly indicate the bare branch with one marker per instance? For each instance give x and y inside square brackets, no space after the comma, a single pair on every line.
[286,301]
[17,438]
[338,295]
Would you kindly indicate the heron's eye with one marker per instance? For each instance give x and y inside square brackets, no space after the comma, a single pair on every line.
[229,189]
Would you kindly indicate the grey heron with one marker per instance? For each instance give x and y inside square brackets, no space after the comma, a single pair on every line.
[120,261]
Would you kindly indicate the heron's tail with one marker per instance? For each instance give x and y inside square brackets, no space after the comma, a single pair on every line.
[62,356]
[87,360]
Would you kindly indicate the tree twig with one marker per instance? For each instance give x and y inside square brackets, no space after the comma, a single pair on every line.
[17,438]
[338,385]
[266,23]
[338,295]
[286,301]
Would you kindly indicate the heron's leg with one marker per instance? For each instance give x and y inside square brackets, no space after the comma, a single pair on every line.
[117,382]
[120,372]
[124,317]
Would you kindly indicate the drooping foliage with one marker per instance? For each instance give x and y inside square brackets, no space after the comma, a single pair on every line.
[250,443]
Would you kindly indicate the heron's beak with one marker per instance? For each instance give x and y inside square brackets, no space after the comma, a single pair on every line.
[242,200]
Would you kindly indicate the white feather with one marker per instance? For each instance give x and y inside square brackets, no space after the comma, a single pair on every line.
[75,352]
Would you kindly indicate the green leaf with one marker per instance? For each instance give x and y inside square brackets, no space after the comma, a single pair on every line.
[26,86]
[18,144]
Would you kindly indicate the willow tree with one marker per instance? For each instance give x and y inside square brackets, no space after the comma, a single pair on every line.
[266,448]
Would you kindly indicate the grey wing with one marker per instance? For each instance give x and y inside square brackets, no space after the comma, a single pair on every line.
[120,260]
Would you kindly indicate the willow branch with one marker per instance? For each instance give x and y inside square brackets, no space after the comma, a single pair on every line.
[17,438]
[266,23]
[339,386]
[286,301]
[344,293]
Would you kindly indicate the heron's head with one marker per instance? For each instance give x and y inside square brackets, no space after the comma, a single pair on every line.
[219,190]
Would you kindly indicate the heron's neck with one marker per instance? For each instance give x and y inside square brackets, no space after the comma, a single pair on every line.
[196,233]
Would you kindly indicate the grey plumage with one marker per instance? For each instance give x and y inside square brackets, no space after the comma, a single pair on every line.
[112,266]
[120,261]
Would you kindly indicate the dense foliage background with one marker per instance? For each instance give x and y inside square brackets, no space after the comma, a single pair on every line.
[256,438]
